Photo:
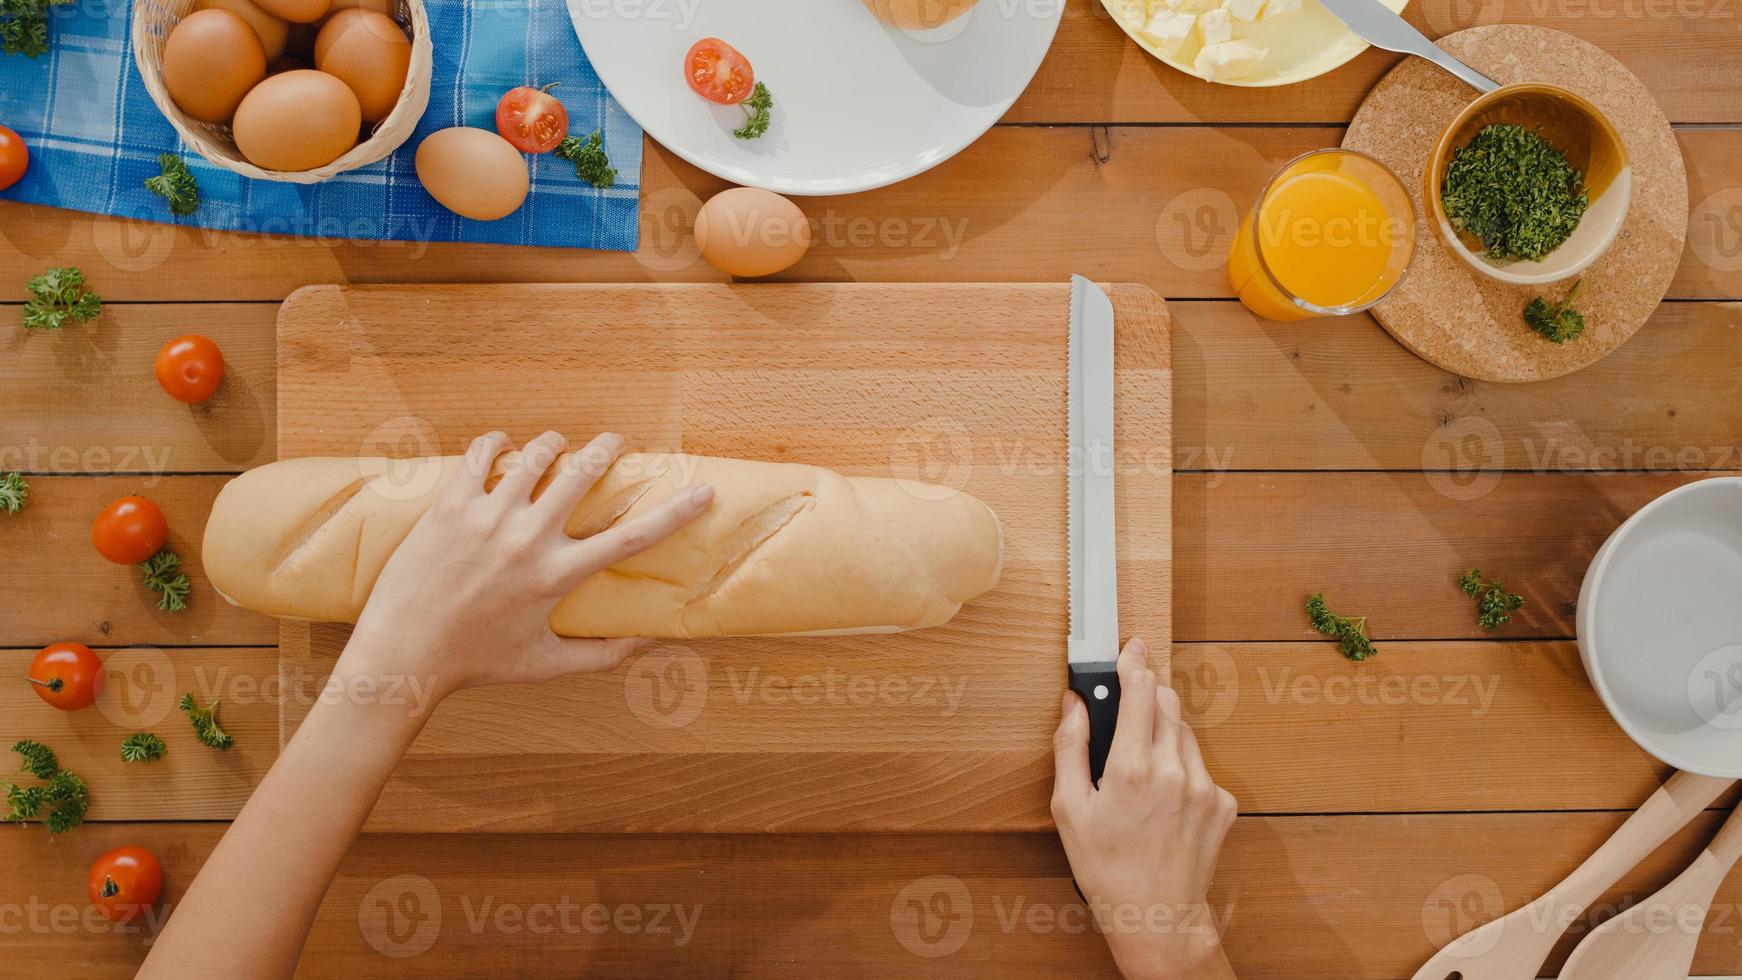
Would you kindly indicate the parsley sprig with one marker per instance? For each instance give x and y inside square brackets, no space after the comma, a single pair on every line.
[205,722]
[163,574]
[1350,634]
[39,760]
[24,26]
[24,803]
[57,297]
[69,798]
[760,108]
[143,747]
[588,155]
[64,796]
[176,185]
[1560,322]
[14,493]
[1493,602]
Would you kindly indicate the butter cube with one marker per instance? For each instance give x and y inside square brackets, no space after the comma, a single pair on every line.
[1281,8]
[1133,12]
[1229,59]
[1243,10]
[1168,30]
[1191,6]
[1216,26]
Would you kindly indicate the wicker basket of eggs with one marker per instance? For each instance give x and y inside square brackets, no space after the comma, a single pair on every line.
[287,90]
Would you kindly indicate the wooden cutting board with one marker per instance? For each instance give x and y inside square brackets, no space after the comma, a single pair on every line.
[958,385]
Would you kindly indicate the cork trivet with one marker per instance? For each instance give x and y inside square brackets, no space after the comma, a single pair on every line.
[1460,320]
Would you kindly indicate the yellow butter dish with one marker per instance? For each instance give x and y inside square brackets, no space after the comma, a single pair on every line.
[1251,43]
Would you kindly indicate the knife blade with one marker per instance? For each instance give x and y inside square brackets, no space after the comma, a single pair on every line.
[1380,26]
[1092,648]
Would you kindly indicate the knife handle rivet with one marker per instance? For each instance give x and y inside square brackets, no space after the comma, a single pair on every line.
[1101,692]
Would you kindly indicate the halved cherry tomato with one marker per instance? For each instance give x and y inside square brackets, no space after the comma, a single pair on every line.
[67,675]
[189,368]
[129,531]
[14,158]
[124,883]
[718,73]
[532,119]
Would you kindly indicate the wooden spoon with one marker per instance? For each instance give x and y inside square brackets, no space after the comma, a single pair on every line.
[1514,946]
[1655,940]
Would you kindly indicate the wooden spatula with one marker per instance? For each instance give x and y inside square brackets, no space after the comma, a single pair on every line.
[1514,946]
[1655,940]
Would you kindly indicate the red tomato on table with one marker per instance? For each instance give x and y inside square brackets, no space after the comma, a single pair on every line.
[532,119]
[189,368]
[14,158]
[718,73]
[124,883]
[129,531]
[67,675]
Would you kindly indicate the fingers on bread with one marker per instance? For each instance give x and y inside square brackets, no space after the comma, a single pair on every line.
[784,548]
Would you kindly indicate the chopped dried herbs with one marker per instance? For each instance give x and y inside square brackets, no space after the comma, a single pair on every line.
[1516,193]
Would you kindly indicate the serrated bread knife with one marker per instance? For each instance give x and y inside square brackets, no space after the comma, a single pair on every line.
[1093,646]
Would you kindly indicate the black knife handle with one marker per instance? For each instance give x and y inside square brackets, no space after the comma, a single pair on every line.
[1098,686]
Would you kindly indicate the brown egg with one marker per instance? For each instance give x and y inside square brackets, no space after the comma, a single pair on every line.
[297,11]
[368,52]
[473,173]
[750,232]
[297,121]
[210,61]
[272,30]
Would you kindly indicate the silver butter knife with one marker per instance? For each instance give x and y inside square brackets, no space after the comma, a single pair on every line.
[1093,647]
[1380,26]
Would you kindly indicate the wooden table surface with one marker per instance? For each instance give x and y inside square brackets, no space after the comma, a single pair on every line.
[1386,807]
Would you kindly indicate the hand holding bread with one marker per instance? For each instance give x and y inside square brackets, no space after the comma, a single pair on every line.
[465,599]
[785,549]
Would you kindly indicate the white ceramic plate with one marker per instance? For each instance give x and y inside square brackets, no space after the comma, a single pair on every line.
[857,104]
[1302,45]
[1660,627]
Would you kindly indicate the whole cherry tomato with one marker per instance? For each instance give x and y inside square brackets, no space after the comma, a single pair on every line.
[189,368]
[129,531]
[718,73]
[124,883]
[532,119]
[67,675]
[14,158]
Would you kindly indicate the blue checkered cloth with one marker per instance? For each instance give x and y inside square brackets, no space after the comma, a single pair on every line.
[95,135]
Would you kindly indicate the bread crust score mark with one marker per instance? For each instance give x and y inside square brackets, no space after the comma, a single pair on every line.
[749,537]
[610,511]
[300,537]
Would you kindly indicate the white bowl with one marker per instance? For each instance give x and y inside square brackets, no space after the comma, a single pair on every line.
[1580,130]
[1660,627]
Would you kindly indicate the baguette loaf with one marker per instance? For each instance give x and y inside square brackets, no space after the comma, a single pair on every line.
[784,548]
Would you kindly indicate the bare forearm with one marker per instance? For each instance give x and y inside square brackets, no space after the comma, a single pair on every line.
[252,905]
[464,602]
[1202,963]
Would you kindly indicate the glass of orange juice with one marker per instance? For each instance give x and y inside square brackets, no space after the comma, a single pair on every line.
[1332,234]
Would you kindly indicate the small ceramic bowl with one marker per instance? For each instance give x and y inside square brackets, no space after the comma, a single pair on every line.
[1660,627]
[1590,143]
